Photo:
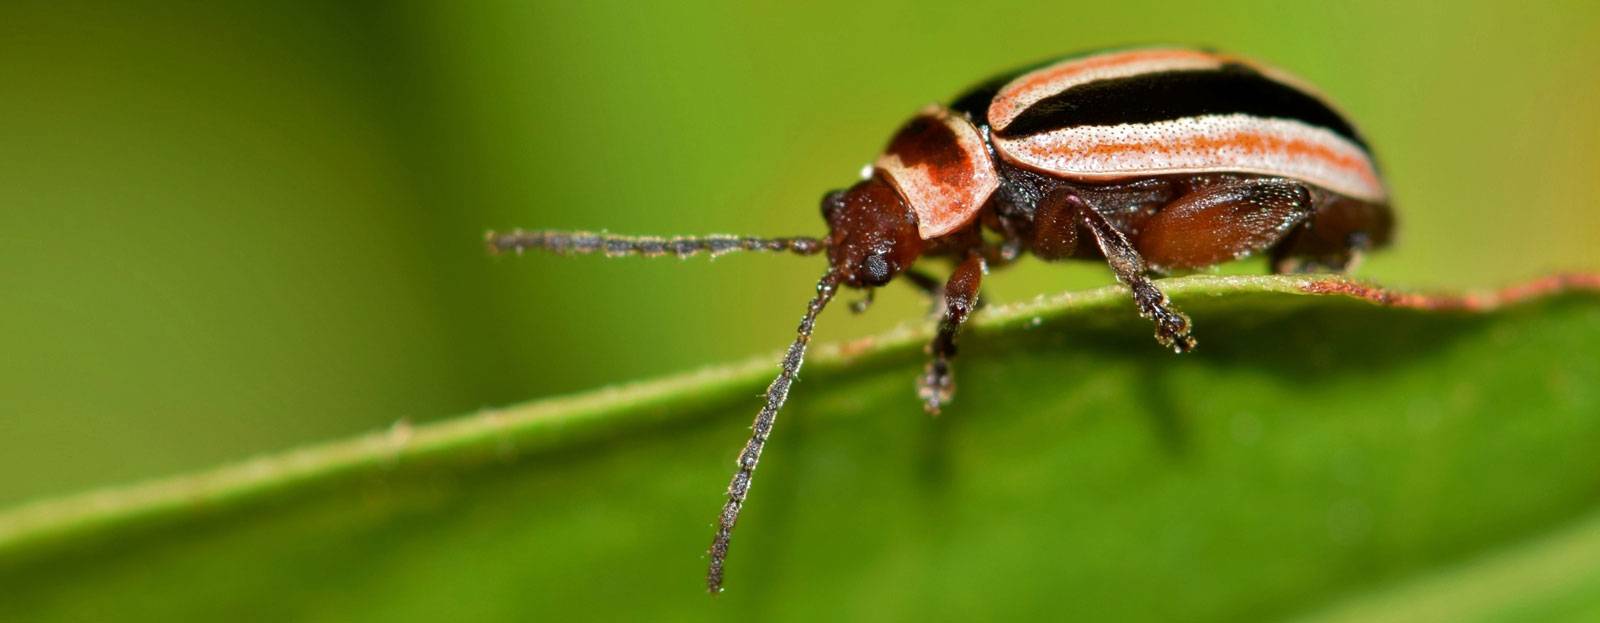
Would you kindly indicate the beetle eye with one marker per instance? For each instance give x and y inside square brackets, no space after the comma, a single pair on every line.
[832,203]
[876,269]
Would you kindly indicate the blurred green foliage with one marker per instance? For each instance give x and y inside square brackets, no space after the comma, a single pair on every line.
[230,228]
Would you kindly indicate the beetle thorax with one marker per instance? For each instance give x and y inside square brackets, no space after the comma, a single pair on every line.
[941,165]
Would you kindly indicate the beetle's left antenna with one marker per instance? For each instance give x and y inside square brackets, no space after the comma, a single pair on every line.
[777,392]
[583,242]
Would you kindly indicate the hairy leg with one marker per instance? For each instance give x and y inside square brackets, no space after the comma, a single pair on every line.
[937,384]
[1172,326]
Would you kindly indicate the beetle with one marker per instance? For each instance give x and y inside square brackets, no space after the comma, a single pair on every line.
[1154,160]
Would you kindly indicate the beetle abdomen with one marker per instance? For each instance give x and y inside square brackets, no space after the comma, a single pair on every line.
[1148,112]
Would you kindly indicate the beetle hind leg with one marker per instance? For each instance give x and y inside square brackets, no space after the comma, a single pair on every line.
[1224,221]
[1345,230]
[937,384]
[1288,259]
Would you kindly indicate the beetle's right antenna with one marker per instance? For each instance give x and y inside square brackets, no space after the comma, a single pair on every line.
[583,242]
[777,392]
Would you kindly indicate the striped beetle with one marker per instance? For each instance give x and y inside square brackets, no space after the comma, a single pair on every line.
[1152,160]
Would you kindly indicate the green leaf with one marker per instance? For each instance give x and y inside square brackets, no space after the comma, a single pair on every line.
[1555,577]
[1316,455]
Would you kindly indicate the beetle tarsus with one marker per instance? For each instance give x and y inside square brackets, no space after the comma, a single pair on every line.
[936,385]
[1172,326]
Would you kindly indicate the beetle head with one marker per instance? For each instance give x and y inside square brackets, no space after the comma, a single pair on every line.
[872,233]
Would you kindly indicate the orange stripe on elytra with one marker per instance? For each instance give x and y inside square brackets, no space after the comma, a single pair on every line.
[1248,141]
[1254,142]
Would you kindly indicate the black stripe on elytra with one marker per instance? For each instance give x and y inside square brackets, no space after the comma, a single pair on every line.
[1169,95]
[976,99]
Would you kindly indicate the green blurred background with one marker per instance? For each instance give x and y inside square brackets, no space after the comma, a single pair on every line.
[228,229]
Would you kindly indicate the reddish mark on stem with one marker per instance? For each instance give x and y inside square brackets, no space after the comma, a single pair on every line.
[1539,287]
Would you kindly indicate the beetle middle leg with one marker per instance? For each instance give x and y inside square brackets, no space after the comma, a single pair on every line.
[1210,224]
[1172,326]
[1056,230]
[937,384]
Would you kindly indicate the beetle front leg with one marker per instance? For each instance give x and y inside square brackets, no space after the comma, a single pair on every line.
[937,384]
[1172,326]
[925,283]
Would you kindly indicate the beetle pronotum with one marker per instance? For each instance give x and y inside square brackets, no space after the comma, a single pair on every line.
[1152,160]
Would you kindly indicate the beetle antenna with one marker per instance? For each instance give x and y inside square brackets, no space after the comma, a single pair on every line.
[777,392]
[583,242]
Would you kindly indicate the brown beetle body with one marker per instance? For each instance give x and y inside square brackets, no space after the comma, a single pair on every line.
[1151,160]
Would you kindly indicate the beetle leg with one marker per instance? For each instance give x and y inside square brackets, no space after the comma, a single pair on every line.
[1338,261]
[861,305]
[923,282]
[937,384]
[1345,229]
[1223,222]
[1172,326]
[1002,254]
[930,287]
